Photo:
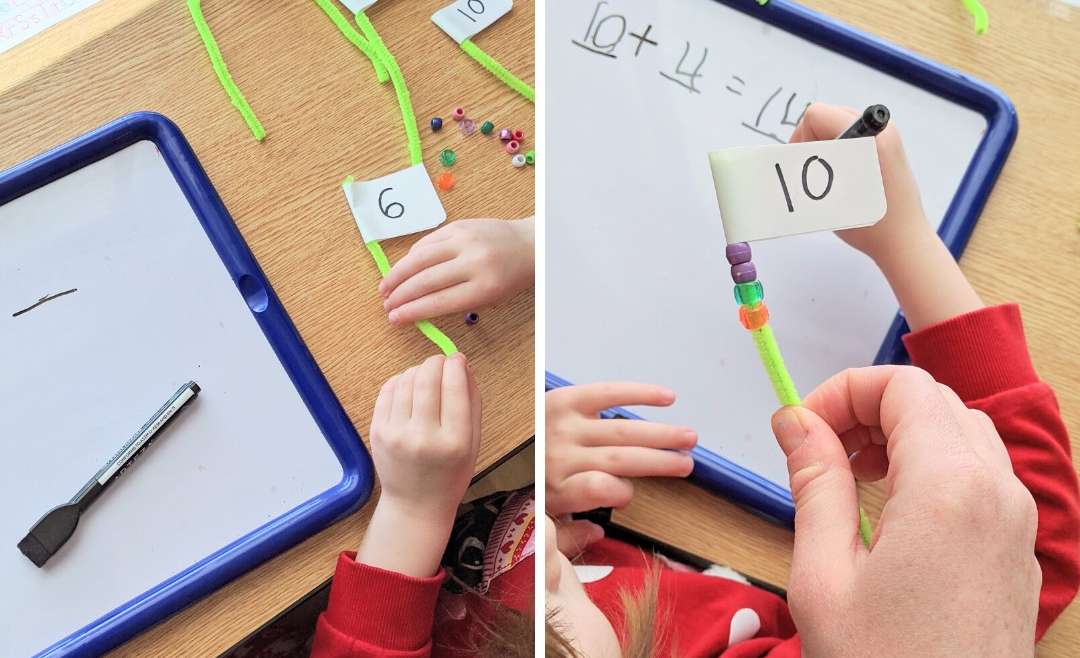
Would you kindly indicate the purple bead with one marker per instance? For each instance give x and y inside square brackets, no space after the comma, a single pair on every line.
[472,317]
[744,272]
[467,126]
[738,253]
[506,134]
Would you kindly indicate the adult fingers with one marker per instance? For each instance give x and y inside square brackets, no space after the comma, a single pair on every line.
[427,389]
[403,393]
[626,432]
[826,506]
[432,279]
[418,259]
[459,297]
[594,398]
[589,490]
[575,536]
[634,462]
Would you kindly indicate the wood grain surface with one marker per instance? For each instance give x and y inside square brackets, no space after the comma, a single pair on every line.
[326,117]
[1025,248]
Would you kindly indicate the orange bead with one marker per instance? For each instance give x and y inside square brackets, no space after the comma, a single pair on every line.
[754,317]
[444,181]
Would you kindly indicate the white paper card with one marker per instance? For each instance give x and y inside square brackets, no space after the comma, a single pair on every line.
[399,204]
[787,189]
[357,6]
[465,18]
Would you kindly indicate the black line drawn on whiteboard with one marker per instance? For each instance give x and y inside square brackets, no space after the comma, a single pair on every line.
[784,121]
[643,39]
[690,76]
[741,82]
[44,300]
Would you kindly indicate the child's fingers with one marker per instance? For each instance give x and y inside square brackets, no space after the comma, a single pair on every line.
[594,398]
[635,462]
[589,490]
[418,259]
[401,410]
[477,404]
[575,536]
[427,389]
[425,282]
[822,121]
[645,434]
[456,395]
[436,236]
[455,298]
[383,404]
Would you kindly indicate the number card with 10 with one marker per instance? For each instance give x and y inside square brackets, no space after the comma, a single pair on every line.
[465,18]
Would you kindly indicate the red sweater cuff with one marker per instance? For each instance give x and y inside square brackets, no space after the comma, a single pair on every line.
[400,609]
[976,354]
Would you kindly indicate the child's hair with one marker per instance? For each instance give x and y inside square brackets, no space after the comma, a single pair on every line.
[641,624]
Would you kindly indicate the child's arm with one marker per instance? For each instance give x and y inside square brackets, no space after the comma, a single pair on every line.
[978,352]
[425,433]
[463,266]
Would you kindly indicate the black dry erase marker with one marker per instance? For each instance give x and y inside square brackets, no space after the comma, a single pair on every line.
[873,121]
[57,526]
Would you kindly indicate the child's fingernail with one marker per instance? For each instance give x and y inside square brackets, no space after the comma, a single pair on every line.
[689,437]
[596,532]
[393,316]
[788,429]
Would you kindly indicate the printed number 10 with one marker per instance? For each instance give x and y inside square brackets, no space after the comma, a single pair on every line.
[806,187]
[475,6]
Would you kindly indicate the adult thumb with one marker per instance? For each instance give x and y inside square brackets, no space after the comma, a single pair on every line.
[826,502]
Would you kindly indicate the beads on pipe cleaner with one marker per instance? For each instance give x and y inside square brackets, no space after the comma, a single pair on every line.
[447,157]
[436,124]
[506,135]
[749,294]
[738,253]
[458,113]
[743,272]
[467,126]
[754,317]
[518,160]
[513,146]
[487,127]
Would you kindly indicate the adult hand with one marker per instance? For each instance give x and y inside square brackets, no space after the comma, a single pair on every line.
[951,570]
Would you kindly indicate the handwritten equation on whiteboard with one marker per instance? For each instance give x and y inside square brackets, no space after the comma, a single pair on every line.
[22,19]
[771,112]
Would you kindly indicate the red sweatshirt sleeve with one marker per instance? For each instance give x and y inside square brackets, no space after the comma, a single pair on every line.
[374,612]
[983,356]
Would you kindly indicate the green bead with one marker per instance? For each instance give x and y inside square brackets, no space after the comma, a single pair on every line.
[487,127]
[749,294]
[447,157]
[530,157]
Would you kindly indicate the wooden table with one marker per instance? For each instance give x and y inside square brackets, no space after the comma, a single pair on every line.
[1026,248]
[325,117]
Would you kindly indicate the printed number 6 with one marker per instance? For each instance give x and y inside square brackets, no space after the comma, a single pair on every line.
[388,210]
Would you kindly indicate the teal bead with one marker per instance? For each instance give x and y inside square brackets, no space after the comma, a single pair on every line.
[749,293]
[487,127]
[447,157]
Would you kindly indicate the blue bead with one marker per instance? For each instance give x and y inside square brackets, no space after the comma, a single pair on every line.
[436,124]
[472,317]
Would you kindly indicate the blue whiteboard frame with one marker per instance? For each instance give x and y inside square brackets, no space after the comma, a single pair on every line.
[297,524]
[721,476]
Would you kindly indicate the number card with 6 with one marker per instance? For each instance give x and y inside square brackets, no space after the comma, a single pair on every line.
[465,18]
[786,189]
[401,203]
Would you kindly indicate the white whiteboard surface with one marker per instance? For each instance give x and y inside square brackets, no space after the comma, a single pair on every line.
[155,307]
[637,284]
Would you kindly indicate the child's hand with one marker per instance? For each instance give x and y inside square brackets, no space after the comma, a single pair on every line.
[589,459]
[903,244]
[905,225]
[951,570]
[463,266]
[425,433]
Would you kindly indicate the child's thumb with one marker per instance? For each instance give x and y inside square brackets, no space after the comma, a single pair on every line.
[826,504]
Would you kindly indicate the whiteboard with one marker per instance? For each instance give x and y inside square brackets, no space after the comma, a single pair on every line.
[637,284]
[154,308]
